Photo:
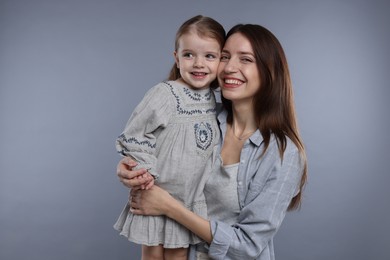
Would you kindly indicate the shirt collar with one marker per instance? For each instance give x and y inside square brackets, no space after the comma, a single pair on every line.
[256,138]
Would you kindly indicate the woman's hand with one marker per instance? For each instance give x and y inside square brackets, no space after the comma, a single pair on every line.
[154,201]
[134,179]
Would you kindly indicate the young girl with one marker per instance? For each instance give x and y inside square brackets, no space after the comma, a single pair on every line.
[172,133]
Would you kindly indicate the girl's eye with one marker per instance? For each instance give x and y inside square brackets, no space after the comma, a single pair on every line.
[210,56]
[188,55]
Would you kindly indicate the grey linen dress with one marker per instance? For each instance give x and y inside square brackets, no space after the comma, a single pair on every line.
[173,132]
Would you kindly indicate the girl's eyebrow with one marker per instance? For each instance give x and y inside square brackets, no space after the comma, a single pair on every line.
[190,50]
[213,52]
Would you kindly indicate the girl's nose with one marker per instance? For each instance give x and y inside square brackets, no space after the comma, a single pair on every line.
[198,62]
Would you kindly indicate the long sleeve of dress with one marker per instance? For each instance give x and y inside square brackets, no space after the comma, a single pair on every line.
[263,207]
[138,140]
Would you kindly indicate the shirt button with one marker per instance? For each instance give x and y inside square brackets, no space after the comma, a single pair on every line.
[242,161]
[239,183]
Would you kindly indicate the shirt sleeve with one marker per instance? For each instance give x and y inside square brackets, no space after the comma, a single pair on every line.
[138,140]
[263,212]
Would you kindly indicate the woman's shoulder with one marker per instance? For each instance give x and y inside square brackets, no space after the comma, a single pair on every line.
[290,146]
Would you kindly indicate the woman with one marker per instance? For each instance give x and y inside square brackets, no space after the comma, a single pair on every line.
[261,169]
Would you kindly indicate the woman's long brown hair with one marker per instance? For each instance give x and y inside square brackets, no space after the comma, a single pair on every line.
[274,102]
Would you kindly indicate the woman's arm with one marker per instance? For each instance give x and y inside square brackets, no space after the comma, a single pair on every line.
[257,223]
[157,201]
[263,210]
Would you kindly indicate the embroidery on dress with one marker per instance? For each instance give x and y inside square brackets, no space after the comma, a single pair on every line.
[183,111]
[133,140]
[197,96]
[203,135]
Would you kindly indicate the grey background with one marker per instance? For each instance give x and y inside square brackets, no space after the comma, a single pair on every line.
[72,71]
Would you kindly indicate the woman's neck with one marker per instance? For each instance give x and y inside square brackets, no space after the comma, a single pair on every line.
[244,122]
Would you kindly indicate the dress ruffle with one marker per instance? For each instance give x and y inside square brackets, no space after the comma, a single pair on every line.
[158,230]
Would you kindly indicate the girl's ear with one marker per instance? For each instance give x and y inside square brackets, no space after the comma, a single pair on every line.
[176,59]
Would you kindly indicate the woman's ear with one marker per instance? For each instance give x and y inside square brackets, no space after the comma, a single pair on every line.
[176,59]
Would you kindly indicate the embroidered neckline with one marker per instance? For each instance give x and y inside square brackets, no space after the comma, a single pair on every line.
[181,110]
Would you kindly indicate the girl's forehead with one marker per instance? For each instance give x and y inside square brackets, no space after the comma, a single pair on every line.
[194,40]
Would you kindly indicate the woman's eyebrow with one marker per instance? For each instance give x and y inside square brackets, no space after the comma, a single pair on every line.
[240,52]
[246,53]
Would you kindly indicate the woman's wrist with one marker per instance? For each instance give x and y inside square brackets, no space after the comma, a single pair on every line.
[171,207]
[196,224]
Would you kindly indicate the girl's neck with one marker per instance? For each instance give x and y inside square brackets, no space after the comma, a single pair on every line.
[182,82]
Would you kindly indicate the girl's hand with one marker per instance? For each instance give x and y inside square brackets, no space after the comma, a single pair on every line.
[148,184]
[152,202]
[137,179]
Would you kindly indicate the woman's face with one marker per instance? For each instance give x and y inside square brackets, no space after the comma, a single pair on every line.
[238,75]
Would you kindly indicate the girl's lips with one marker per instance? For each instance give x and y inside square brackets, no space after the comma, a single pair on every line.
[199,74]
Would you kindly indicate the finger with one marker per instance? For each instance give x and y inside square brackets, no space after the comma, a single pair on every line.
[150,184]
[133,183]
[121,166]
[143,180]
[133,204]
[135,211]
[129,162]
[126,174]
[125,165]
[140,182]
[139,187]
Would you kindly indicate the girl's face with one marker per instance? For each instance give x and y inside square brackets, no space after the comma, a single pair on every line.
[238,75]
[197,59]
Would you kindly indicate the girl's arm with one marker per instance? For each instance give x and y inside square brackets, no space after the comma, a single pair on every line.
[138,140]
[157,201]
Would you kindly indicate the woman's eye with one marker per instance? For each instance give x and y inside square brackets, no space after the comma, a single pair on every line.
[246,60]
[224,58]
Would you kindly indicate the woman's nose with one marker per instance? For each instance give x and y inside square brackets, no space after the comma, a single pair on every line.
[230,66]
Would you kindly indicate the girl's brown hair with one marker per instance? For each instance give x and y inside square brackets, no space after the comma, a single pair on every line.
[274,102]
[205,27]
